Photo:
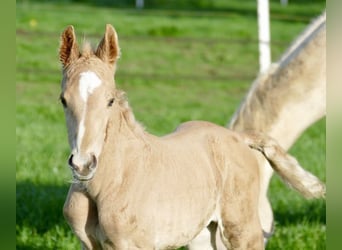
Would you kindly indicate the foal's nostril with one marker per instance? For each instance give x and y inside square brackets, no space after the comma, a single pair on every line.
[89,164]
[93,157]
[83,167]
[71,164]
[70,160]
[93,161]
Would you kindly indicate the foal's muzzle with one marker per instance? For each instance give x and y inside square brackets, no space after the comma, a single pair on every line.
[83,170]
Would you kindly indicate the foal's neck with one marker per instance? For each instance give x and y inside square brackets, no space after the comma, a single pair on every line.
[124,138]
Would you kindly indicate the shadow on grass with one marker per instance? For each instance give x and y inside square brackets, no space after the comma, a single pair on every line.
[24,247]
[308,211]
[40,206]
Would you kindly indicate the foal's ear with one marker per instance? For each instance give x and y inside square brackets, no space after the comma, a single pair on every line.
[108,49]
[68,50]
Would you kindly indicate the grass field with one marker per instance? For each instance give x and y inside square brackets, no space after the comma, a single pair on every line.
[176,65]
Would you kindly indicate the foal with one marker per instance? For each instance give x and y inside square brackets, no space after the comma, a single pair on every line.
[133,190]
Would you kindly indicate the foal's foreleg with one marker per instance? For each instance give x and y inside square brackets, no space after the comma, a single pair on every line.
[81,214]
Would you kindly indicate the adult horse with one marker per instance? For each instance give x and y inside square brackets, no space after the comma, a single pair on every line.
[286,100]
[133,190]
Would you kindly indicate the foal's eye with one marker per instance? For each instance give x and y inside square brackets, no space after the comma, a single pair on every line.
[63,101]
[110,102]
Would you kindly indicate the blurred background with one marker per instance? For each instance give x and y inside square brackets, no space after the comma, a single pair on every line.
[181,60]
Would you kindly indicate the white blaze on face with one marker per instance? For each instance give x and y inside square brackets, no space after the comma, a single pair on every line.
[88,82]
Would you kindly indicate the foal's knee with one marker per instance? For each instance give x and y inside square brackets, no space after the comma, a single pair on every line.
[67,212]
[80,227]
[81,214]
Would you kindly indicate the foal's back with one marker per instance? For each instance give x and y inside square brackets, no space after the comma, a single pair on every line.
[213,151]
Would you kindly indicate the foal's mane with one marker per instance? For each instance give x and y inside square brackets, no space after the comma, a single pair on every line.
[87,50]
[127,113]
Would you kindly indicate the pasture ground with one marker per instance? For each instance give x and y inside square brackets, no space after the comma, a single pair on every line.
[176,65]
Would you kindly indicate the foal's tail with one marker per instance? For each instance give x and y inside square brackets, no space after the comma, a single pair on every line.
[286,166]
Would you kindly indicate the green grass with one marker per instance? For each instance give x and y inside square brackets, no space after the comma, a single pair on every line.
[176,65]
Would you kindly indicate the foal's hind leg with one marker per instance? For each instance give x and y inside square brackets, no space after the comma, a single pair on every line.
[265,209]
[81,214]
[239,222]
[240,228]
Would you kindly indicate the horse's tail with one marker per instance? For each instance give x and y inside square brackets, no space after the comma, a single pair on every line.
[286,166]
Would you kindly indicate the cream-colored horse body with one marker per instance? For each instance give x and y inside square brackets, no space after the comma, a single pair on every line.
[286,100]
[133,190]
[291,96]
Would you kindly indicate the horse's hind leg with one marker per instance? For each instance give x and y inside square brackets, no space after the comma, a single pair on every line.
[81,214]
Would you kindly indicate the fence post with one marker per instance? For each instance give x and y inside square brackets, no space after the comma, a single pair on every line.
[264,35]
[139,4]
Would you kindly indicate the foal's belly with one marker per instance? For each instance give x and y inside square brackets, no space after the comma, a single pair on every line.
[164,201]
[156,227]
[158,214]
[182,226]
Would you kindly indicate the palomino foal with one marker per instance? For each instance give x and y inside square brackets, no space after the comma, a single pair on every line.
[133,190]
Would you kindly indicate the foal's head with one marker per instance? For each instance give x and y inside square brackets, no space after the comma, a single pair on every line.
[88,92]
